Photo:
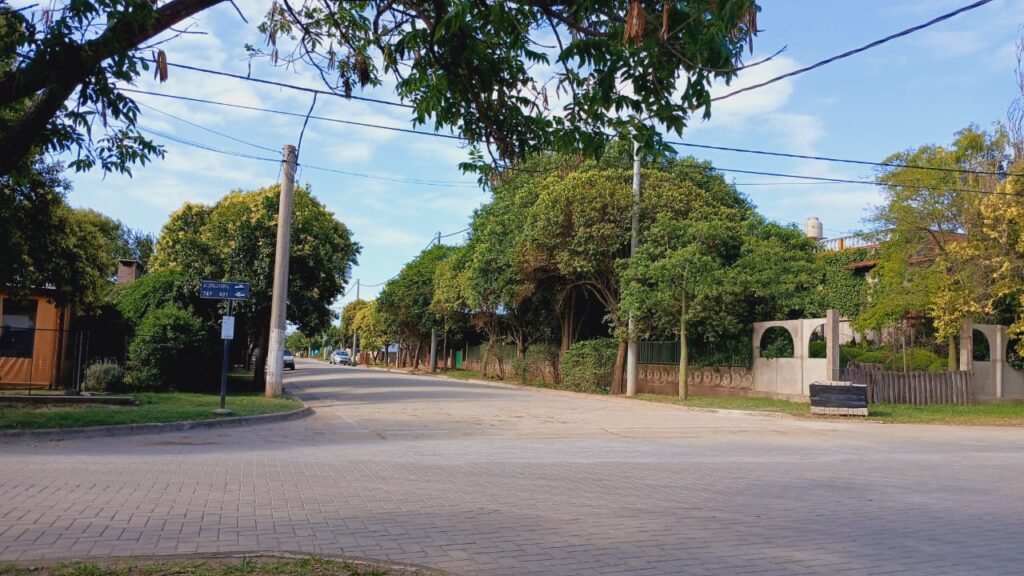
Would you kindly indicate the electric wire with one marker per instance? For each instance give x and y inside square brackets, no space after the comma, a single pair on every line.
[863,48]
[670,142]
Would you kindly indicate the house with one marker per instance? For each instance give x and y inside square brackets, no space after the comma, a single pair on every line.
[33,337]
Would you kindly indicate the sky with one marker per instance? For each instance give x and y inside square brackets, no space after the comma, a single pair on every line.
[915,90]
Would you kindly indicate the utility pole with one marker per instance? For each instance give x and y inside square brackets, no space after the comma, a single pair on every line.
[433,332]
[355,333]
[634,242]
[279,296]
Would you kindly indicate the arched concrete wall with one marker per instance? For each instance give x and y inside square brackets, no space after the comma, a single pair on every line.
[788,377]
[994,380]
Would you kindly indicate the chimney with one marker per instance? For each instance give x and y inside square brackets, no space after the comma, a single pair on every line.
[812,228]
[129,271]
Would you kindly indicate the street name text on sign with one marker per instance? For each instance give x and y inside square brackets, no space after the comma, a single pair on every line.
[224,290]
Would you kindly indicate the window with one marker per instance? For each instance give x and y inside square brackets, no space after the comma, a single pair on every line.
[18,328]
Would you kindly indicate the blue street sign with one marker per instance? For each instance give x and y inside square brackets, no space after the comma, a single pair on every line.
[224,290]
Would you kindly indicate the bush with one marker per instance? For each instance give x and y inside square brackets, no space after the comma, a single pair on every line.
[918,359]
[170,350]
[818,349]
[541,360]
[103,376]
[588,365]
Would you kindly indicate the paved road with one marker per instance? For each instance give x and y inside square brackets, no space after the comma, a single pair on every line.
[495,480]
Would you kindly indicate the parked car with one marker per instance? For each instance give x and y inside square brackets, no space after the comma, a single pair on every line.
[340,357]
[289,359]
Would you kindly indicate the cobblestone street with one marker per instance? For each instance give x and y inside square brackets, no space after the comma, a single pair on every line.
[479,479]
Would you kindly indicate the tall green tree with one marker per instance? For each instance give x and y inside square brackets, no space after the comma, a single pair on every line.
[234,240]
[405,301]
[928,213]
[473,67]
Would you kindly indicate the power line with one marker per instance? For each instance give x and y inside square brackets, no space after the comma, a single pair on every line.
[284,85]
[296,114]
[201,127]
[841,160]
[454,137]
[202,146]
[849,53]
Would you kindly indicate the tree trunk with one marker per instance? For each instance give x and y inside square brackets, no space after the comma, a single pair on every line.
[567,319]
[619,370]
[951,359]
[260,369]
[416,357]
[683,352]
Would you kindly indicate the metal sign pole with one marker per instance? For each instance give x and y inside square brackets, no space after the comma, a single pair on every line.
[227,333]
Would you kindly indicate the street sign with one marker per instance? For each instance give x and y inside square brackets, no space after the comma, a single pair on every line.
[224,290]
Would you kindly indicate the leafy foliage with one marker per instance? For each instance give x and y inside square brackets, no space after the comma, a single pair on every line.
[472,67]
[171,350]
[103,376]
[587,366]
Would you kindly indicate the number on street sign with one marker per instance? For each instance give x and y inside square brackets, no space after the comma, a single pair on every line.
[224,290]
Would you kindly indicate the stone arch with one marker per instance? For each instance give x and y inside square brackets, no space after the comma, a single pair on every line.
[773,343]
[817,335]
[981,349]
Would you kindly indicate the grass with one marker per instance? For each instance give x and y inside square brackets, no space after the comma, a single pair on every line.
[247,566]
[976,415]
[463,374]
[153,407]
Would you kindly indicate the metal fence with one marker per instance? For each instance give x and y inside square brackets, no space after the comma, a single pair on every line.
[33,359]
[665,352]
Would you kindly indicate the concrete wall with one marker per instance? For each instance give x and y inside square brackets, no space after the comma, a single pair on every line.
[995,380]
[788,377]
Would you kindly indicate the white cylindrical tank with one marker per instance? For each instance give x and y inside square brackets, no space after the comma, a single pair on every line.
[812,228]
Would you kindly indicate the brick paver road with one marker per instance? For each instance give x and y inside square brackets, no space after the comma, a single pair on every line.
[495,480]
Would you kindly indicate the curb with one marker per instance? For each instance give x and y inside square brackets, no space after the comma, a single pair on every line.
[153,427]
[358,561]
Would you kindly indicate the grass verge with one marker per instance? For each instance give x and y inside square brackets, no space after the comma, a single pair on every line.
[215,567]
[977,414]
[153,407]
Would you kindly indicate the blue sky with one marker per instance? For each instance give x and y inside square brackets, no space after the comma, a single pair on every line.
[915,90]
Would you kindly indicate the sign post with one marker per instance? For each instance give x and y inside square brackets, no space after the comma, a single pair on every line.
[229,291]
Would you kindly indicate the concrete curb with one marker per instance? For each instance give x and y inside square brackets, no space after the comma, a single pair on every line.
[359,561]
[153,427]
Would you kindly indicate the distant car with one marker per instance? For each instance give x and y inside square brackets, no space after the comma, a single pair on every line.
[340,357]
[289,360]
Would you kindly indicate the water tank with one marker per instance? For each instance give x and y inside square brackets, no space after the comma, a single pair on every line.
[812,228]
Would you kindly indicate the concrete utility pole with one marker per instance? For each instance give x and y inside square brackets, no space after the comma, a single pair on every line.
[355,333]
[279,296]
[634,242]
[433,332]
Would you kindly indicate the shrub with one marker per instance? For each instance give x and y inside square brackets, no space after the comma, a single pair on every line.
[170,350]
[588,365]
[103,376]
[818,349]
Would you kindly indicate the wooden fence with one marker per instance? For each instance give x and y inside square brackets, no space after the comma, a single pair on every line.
[917,388]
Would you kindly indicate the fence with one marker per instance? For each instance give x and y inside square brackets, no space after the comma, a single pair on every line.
[706,355]
[917,388]
[39,359]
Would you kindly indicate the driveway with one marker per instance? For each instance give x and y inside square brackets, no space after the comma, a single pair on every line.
[479,479]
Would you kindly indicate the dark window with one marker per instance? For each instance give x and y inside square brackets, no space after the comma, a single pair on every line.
[18,328]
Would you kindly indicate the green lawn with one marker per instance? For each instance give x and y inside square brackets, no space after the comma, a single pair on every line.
[215,567]
[978,414]
[153,407]
[463,374]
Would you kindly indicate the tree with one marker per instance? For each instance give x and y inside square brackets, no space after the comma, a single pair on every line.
[374,334]
[927,216]
[348,317]
[234,240]
[80,50]
[405,301]
[463,65]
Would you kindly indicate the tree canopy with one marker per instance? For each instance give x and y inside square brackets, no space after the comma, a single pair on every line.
[511,77]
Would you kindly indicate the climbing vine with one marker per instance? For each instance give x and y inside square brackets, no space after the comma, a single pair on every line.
[839,287]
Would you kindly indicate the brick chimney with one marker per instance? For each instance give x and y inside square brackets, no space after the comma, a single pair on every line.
[129,271]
